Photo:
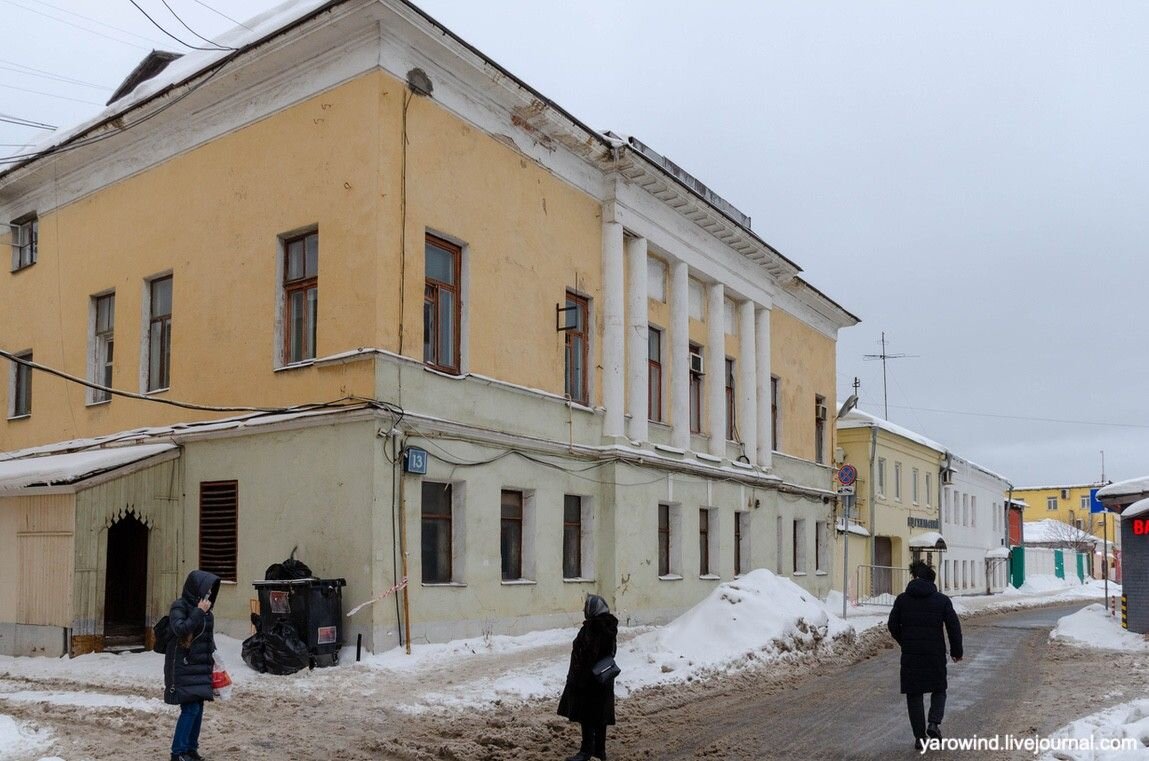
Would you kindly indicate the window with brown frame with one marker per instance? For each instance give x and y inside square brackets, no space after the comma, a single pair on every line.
[654,375]
[436,533]
[511,535]
[160,333]
[572,536]
[103,345]
[695,392]
[219,528]
[442,315]
[21,405]
[703,542]
[25,241]
[820,429]
[300,296]
[577,350]
[731,426]
[663,540]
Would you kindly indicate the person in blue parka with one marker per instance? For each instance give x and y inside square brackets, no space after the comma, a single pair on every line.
[189,660]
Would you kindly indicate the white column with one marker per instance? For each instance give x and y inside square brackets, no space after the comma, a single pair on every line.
[715,379]
[747,387]
[637,340]
[612,329]
[762,335]
[680,354]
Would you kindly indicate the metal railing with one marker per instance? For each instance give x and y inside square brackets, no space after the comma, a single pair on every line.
[880,584]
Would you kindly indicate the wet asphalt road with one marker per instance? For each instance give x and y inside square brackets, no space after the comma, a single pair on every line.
[858,713]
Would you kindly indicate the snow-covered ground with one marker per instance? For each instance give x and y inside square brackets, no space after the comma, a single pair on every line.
[1094,627]
[757,618]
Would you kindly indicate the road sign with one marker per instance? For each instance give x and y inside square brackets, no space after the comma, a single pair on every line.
[1095,505]
[847,475]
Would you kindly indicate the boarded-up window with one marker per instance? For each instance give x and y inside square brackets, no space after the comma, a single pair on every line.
[219,528]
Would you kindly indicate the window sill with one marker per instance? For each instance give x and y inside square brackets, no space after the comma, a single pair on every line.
[799,573]
[821,573]
[443,584]
[451,374]
[578,580]
[518,582]
[23,267]
[707,457]
[163,390]
[295,365]
[710,577]
[670,577]
[670,450]
[743,465]
[20,417]
[99,403]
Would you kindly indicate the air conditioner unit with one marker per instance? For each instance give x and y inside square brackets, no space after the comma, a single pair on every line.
[820,412]
[1065,493]
[696,363]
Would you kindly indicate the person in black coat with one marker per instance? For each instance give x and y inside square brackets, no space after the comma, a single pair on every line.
[916,622]
[585,700]
[189,659]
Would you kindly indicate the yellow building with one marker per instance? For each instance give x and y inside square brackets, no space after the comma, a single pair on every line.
[1069,504]
[896,499]
[354,246]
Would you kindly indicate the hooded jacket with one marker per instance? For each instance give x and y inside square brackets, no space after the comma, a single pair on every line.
[188,661]
[917,621]
[585,700]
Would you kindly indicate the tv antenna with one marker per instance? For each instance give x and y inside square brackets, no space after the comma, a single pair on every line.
[884,356]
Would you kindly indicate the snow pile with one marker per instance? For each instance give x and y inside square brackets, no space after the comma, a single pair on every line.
[758,616]
[1043,584]
[1093,626]
[1128,720]
[18,739]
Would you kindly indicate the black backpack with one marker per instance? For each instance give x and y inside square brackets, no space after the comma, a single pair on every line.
[163,632]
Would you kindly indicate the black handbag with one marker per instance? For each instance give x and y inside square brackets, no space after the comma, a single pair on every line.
[605,670]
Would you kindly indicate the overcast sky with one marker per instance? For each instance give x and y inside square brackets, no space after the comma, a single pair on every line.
[969,178]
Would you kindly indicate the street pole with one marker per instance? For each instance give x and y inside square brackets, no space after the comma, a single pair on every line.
[846,500]
[1105,556]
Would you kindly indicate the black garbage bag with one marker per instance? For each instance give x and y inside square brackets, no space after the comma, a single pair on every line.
[252,648]
[283,651]
[288,569]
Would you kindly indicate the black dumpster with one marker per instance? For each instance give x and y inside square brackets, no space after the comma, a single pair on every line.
[314,607]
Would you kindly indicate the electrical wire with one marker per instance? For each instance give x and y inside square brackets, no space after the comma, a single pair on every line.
[83,142]
[157,25]
[32,71]
[52,95]
[130,33]
[82,28]
[8,119]
[185,26]
[221,13]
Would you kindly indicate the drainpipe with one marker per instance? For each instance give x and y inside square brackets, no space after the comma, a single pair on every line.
[871,490]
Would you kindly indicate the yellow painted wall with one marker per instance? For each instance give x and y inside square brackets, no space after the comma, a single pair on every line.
[805,362]
[1068,510]
[213,218]
[528,237]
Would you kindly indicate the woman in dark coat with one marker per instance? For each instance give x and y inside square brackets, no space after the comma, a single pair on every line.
[188,661]
[585,700]
[920,620]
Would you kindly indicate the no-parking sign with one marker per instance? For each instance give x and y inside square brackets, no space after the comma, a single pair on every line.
[847,475]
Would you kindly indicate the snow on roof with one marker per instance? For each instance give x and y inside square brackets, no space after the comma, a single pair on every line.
[1021,502]
[184,68]
[1131,488]
[1052,530]
[854,528]
[69,468]
[1056,486]
[856,418]
[982,468]
[1140,507]
[997,552]
[930,539]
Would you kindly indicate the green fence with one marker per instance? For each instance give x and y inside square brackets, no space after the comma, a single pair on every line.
[1017,566]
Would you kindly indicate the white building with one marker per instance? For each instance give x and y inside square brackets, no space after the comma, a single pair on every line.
[974,527]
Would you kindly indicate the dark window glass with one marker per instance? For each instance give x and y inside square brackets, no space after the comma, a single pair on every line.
[664,540]
[654,377]
[441,312]
[436,533]
[511,535]
[160,335]
[300,297]
[572,537]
